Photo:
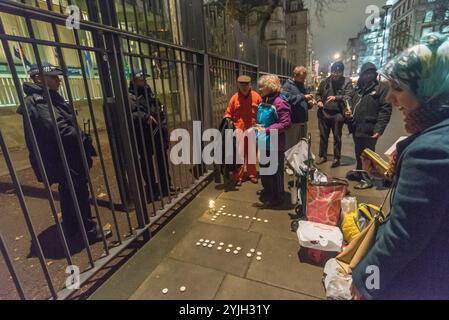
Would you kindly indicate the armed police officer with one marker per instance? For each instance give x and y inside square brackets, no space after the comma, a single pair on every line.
[150,119]
[39,110]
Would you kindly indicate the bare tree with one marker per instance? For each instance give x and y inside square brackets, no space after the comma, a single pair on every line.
[240,9]
[321,6]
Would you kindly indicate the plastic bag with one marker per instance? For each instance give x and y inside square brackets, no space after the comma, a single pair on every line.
[319,177]
[298,156]
[336,282]
[319,236]
[295,192]
[348,204]
[349,227]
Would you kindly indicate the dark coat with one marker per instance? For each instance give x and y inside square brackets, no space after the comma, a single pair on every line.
[371,113]
[342,94]
[141,113]
[295,94]
[39,110]
[226,168]
[411,248]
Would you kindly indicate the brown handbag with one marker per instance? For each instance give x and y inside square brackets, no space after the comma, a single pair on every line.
[360,246]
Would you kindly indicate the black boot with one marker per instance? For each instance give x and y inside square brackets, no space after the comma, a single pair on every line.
[336,163]
[354,175]
[95,236]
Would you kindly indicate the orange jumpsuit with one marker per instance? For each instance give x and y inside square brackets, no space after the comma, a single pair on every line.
[243,111]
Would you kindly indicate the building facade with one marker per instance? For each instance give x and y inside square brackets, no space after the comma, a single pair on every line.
[413,19]
[372,43]
[287,32]
[351,57]
[299,37]
[276,33]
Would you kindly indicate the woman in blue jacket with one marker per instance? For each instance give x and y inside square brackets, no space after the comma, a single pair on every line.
[274,119]
[410,258]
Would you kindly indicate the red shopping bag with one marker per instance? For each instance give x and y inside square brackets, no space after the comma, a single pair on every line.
[324,202]
[316,256]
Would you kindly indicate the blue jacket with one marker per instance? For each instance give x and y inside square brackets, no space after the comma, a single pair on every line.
[412,245]
[266,116]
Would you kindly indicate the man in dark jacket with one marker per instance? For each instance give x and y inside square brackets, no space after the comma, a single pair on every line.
[331,97]
[150,117]
[39,110]
[368,117]
[300,101]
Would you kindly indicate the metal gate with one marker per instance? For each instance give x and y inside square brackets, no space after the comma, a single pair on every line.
[128,187]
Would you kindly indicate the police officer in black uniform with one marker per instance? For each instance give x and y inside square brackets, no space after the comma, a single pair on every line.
[39,110]
[152,119]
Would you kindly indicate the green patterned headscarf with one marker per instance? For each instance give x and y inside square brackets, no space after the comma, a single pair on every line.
[423,70]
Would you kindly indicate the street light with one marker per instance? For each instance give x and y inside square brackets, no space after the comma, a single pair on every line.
[337,56]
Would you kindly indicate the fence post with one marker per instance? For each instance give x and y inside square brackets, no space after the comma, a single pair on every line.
[121,107]
[108,94]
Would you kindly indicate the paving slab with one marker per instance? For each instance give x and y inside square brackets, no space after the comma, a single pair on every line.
[280,267]
[235,288]
[246,193]
[172,254]
[187,250]
[237,208]
[200,283]
[130,276]
[278,225]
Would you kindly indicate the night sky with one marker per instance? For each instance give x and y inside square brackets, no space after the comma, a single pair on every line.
[339,27]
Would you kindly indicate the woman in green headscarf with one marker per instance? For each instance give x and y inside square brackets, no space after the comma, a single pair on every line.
[410,258]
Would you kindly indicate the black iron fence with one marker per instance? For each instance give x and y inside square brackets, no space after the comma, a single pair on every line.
[131,183]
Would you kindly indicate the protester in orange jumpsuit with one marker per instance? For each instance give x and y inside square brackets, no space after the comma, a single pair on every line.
[242,109]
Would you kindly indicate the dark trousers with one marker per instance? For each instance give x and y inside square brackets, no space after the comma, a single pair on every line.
[362,144]
[274,184]
[295,133]
[328,123]
[68,211]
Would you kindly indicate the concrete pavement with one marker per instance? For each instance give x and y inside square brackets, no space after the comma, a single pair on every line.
[172,258]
